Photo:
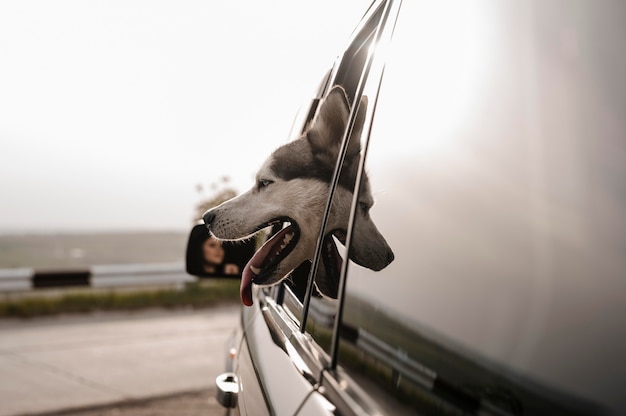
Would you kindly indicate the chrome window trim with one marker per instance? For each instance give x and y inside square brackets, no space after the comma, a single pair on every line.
[383,35]
[292,304]
[312,362]
[363,76]
[371,11]
[307,357]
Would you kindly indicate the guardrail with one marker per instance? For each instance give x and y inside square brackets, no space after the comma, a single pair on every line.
[104,276]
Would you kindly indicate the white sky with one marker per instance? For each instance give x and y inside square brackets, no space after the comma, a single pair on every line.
[111,112]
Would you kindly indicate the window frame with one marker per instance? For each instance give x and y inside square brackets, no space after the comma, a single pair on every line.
[285,314]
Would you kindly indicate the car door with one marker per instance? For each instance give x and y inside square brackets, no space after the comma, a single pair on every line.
[495,158]
[493,155]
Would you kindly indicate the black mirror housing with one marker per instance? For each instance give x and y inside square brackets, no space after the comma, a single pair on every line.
[236,255]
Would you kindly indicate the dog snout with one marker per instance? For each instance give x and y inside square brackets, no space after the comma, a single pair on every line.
[390,257]
[208,217]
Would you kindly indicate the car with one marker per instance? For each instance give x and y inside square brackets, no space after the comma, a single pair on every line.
[494,143]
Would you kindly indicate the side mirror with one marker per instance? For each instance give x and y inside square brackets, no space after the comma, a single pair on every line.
[208,257]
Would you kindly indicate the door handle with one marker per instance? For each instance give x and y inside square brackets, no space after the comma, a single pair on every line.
[227,389]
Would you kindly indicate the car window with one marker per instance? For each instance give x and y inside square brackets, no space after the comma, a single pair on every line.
[345,78]
[496,168]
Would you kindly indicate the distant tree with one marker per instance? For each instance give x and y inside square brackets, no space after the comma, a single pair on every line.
[219,196]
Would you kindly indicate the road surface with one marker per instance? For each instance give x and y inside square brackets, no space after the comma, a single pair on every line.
[50,365]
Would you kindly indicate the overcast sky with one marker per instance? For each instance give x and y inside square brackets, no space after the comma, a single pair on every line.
[112,112]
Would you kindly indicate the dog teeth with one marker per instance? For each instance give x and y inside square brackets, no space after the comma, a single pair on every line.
[286,240]
[275,252]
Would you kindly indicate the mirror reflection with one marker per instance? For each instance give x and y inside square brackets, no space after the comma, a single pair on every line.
[210,257]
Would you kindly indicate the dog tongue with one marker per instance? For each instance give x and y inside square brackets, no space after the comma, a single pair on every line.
[245,290]
[258,261]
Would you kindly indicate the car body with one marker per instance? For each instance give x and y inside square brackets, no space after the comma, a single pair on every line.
[495,146]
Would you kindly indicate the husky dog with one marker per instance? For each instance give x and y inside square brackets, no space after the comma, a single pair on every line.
[292,190]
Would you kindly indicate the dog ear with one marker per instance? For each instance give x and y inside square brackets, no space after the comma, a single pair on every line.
[354,146]
[327,130]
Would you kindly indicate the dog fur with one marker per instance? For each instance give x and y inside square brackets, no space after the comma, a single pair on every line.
[292,189]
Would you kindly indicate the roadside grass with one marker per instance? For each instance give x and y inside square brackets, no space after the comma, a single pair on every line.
[194,295]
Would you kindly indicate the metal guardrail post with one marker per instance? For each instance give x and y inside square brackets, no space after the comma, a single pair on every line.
[117,275]
[13,280]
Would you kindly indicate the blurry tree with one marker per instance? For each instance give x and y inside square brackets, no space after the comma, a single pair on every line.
[220,192]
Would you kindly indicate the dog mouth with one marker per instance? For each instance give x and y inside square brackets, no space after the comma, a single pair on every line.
[331,257]
[328,283]
[264,262]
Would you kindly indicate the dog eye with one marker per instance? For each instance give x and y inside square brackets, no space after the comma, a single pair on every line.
[263,183]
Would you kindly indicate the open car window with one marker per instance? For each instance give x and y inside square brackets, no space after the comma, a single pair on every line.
[348,74]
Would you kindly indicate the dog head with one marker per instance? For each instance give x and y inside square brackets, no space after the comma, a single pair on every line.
[291,193]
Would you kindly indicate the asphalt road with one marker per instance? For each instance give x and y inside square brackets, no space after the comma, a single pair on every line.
[114,363]
[200,403]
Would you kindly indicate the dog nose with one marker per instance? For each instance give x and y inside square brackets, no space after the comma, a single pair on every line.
[208,217]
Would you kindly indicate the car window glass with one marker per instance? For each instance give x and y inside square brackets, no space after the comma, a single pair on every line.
[346,78]
[496,165]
